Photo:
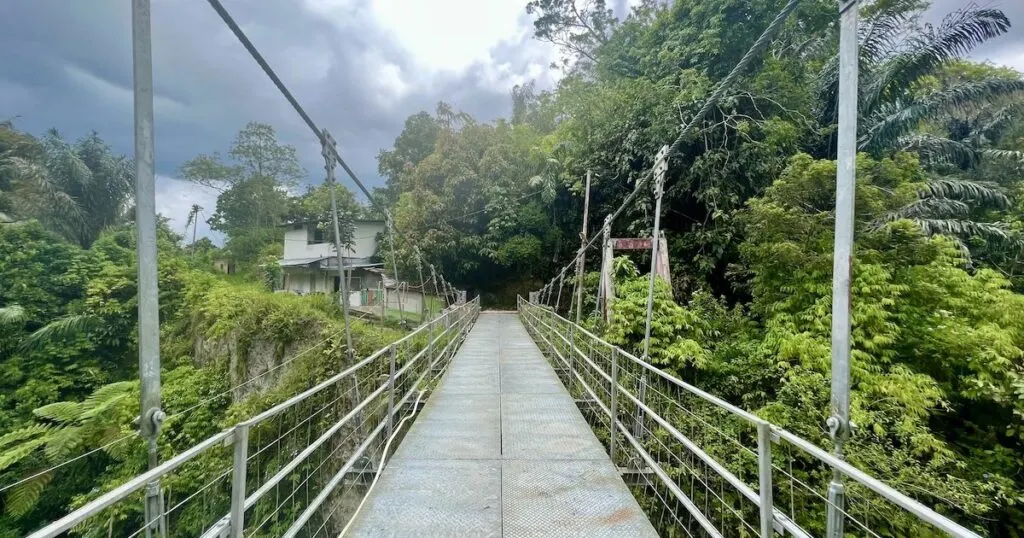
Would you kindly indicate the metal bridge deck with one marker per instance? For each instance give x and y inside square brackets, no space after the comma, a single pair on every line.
[500,449]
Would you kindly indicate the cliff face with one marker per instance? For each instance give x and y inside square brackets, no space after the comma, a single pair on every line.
[265,342]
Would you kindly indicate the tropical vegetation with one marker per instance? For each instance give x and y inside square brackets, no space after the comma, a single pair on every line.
[497,206]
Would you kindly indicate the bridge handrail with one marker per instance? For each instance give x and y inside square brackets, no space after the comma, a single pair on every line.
[455,323]
[781,521]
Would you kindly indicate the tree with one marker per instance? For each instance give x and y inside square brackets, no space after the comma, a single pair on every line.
[77,189]
[474,205]
[253,198]
[314,208]
[193,214]
[256,153]
[935,353]
[909,101]
[577,27]
[413,144]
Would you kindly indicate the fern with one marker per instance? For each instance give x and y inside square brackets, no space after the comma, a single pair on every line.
[60,412]
[23,497]
[63,441]
[62,328]
[23,434]
[109,391]
[20,452]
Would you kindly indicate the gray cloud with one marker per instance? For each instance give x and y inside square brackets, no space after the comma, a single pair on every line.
[1007,49]
[68,65]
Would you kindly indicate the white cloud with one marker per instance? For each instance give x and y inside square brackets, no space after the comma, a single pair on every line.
[174,199]
[450,35]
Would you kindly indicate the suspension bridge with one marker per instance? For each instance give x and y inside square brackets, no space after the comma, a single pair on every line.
[502,423]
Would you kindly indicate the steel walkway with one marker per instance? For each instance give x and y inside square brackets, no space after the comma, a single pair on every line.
[500,449]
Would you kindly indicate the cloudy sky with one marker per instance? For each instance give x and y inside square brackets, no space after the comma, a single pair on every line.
[360,67]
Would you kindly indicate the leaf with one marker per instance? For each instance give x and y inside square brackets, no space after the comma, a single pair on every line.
[62,412]
[961,189]
[12,314]
[28,432]
[62,442]
[20,452]
[62,328]
[23,497]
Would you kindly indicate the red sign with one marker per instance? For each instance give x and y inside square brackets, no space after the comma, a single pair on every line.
[632,243]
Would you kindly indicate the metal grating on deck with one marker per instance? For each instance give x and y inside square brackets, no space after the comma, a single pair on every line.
[500,449]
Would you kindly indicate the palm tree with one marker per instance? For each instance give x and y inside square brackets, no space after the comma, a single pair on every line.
[895,67]
[193,214]
[77,189]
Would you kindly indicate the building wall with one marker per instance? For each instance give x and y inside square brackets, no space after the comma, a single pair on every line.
[365,238]
[297,245]
[304,280]
[412,301]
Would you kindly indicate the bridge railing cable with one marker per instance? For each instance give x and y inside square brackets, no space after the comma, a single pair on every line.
[292,469]
[714,469]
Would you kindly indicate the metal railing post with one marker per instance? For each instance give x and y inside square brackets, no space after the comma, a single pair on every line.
[430,345]
[641,394]
[614,407]
[391,391]
[764,471]
[572,358]
[238,471]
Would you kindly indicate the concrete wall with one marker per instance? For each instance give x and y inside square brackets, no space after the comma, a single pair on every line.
[364,244]
[412,301]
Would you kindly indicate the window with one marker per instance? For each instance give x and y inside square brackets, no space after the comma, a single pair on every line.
[315,235]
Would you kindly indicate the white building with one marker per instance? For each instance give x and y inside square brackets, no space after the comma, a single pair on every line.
[310,262]
[310,265]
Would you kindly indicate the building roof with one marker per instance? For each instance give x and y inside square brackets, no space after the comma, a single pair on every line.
[298,223]
[327,262]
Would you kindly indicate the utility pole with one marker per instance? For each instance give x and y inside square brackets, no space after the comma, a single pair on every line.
[842,258]
[151,416]
[329,163]
[583,245]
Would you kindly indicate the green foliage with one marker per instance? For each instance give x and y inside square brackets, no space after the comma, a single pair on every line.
[68,363]
[934,353]
[253,200]
[676,332]
[475,206]
[76,190]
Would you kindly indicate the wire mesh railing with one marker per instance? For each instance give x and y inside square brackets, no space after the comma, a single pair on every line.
[700,466]
[299,468]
